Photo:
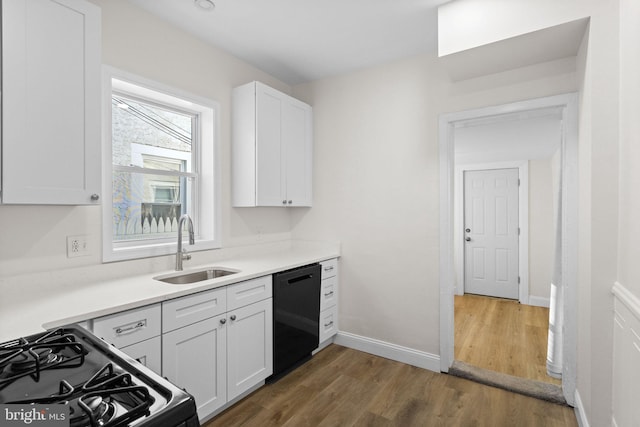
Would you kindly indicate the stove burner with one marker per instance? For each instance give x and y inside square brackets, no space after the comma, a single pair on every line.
[26,361]
[96,412]
[51,351]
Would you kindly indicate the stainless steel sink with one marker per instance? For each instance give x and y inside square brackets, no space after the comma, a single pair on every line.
[195,276]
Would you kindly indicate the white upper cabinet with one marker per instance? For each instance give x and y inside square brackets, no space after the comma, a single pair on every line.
[50,102]
[272,148]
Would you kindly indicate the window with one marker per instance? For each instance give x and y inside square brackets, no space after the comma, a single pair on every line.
[160,154]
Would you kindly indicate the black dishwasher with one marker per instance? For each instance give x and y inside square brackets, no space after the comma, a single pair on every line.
[296,314]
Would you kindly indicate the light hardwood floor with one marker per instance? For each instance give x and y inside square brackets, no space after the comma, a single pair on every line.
[345,387]
[503,336]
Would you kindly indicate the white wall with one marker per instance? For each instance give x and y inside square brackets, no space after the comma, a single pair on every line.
[463,24]
[599,75]
[629,231]
[626,357]
[33,238]
[541,227]
[376,184]
[366,113]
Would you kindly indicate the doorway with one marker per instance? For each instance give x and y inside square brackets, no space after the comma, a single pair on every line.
[566,105]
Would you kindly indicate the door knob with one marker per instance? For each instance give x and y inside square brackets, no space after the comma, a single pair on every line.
[468,230]
[468,239]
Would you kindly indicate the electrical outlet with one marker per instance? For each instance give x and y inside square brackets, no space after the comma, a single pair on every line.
[77,246]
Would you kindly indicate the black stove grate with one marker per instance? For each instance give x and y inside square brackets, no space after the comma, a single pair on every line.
[53,350]
[107,399]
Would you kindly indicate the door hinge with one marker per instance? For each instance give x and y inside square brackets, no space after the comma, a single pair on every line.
[518,231]
[518,182]
[518,280]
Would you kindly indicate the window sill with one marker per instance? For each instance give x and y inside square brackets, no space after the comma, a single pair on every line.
[148,251]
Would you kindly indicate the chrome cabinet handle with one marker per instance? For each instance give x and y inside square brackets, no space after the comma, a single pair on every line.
[233,317]
[290,201]
[329,294]
[284,202]
[328,268]
[130,329]
[326,325]
[468,239]
[223,321]
[95,197]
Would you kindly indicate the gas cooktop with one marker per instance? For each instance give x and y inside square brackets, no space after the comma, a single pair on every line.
[93,383]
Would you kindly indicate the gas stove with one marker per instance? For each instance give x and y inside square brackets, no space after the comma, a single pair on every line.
[95,384]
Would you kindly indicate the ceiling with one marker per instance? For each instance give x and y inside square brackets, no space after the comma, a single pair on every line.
[298,41]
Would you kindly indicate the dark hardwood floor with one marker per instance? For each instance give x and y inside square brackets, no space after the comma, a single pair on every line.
[345,387]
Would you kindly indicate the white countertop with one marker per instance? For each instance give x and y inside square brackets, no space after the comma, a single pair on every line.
[32,304]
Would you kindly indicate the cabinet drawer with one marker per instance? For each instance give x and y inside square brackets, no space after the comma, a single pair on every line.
[329,293]
[245,293]
[329,268]
[328,323]
[147,352]
[190,309]
[129,327]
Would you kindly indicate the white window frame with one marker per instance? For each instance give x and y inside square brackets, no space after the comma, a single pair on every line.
[207,217]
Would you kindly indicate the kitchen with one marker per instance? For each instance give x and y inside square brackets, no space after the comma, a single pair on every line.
[384,119]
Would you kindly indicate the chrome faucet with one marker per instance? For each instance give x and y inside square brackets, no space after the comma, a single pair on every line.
[182,254]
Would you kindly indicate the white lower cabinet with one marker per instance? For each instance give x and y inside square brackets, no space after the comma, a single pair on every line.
[195,358]
[217,357]
[329,300]
[249,346]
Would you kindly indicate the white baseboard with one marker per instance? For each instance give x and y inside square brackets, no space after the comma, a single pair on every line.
[581,416]
[387,350]
[539,301]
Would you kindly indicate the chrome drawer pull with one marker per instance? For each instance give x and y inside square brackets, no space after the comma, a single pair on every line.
[130,329]
[326,325]
[329,294]
[328,268]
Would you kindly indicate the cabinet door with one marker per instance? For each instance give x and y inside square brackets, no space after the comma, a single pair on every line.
[250,346]
[269,162]
[194,358]
[297,146]
[50,101]
[148,353]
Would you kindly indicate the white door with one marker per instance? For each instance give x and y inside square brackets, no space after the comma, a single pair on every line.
[491,232]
